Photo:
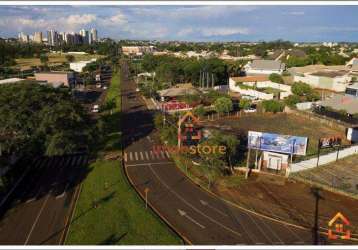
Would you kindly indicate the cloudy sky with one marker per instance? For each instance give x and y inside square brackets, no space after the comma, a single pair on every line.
[191,23]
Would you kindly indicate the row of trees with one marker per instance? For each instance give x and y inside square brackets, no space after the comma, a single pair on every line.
[172,69]
[40,119]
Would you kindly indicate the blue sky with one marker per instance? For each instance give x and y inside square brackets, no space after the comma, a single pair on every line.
[191,23]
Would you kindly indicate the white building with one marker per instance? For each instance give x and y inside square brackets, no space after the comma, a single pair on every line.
[264,67]
[326,79]
[78,66]
[255,86]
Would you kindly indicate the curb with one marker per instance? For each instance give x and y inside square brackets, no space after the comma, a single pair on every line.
[184,238]
[248,210]
[70,217]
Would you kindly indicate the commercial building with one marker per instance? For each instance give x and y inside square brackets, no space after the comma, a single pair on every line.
[52,38]
[94,35]
[352,90]
[78,66]
[264,67]
[38,37]
[23,37]
[54,78]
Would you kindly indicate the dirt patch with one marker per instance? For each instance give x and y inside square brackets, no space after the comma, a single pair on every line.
[289,200]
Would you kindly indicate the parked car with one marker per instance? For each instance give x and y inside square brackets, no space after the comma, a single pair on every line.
[95,109]
[98,85]
[137,90]
[250,110]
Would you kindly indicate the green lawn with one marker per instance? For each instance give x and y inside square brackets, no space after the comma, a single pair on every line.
[109,211]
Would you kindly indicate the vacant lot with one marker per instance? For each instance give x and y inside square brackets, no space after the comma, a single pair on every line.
[282,124]
[109,211]
[341,175]
[54,59]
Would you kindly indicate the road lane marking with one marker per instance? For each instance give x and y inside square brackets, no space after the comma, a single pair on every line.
[205,203]
[136,156]
[36,220]
[152,155]
[162,154]
[130,156]
[147,163]
[141,156]
[190,205]
[146,155]
[184,214]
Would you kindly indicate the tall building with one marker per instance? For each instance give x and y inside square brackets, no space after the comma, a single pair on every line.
[94,35]
[85,36]
[23,37]
[38,37]
[52,38]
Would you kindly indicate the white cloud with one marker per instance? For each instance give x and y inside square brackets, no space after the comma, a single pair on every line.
[77,20]
[117,19]
[185,31]
[296,13]
[223,31]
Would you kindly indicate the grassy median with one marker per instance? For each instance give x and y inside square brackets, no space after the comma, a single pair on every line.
[109,211]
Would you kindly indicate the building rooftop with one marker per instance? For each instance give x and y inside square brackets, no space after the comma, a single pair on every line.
[315,68]
[256,78]
[330,74]
[175,91]
[55,72]
[341,102]
[267,65]
[10,80]
[353,85]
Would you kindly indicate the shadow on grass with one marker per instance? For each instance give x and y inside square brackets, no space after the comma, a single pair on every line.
[113,239]
[95,204]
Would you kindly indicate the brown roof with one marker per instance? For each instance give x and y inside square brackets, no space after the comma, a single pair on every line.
[258,78]
[330,74]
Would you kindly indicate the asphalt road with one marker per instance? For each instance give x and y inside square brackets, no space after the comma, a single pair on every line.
[38,211]
[199,217]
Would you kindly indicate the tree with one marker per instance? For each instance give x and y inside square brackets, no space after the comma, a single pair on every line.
[44,59]
[292,100]
[301,88]
[223,105]
[199,111]
[274,77]
[273,106]
[40,119]
[70,58]
[245,103]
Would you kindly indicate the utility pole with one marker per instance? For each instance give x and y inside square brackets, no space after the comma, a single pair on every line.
[248,164]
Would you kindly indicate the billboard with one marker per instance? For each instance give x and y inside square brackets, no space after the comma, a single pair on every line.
[330,142]
[286,144]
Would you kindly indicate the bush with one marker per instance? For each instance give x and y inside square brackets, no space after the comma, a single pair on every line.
[244,103]
[301,89]
[276,78]
[223,105]
[199,111]
[273,106]
[292,100]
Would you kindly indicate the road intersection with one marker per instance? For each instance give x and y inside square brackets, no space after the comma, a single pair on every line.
[198,216]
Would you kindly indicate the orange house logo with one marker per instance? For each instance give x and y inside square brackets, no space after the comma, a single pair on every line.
[338,227]
[189,133]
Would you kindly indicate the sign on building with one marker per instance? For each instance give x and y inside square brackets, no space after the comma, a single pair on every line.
[286,144]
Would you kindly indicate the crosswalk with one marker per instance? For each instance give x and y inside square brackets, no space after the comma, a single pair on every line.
[145,156]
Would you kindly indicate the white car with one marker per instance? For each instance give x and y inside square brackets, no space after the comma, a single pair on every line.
[104,87]
[95,109]
[98,85]
[250,110]
[137,90]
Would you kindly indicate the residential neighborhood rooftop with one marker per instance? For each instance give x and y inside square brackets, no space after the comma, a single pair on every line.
[267,65]
[330,74]
[255,78]
[341,102]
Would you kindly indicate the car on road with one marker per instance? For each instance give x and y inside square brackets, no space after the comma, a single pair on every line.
[137,90]
[95,109]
